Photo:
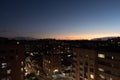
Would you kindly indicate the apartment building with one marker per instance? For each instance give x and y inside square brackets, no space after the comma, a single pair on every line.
[95,65]
[84,64]
[108,67]
[51,63]
[12,62]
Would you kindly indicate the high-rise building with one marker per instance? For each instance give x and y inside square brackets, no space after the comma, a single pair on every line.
[84,64]
[95,65]
[108,67]
[51,63]
[12,62]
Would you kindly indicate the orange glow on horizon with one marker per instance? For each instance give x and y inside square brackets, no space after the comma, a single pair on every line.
[81,36]
[88,36]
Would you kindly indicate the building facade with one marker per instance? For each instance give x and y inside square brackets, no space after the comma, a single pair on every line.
[95,65]
[51,63]
[12,62]
[108,67]
[84,64]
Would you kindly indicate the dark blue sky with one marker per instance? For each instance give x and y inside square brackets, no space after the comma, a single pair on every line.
[61,19]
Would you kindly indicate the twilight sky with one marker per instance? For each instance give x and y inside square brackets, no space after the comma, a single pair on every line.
[61,19]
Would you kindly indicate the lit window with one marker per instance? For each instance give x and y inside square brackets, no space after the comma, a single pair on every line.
[49,61]
[38,72]
[101,55]
[26,74]
[31,54]
[9,71]
[112,57]
[22,69]
[102,76]
[69,55]
[18,42]
[3,65]
[101,69]
[22,63]
[91,76]
[111,79]
[56,70]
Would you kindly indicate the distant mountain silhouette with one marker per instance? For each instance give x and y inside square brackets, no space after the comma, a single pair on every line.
[104,38]
[23,38]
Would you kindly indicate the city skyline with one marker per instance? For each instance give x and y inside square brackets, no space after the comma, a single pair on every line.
[61,19]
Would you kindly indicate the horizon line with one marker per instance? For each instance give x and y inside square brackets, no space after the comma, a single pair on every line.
[32,38]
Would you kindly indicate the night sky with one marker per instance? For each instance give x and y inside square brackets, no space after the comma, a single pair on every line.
[60,19]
